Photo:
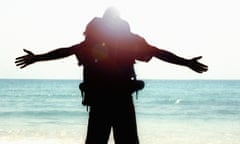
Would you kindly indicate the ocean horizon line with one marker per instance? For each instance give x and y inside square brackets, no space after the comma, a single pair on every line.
[148,79]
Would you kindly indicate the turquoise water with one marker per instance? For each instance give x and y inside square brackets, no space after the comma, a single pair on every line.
[168,111]
[191,100]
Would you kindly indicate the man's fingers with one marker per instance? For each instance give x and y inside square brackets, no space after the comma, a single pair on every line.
[199,68]
[23,66]
[19,60]
[203,66]
[21,57]
[197,58]
[28,52]
[20,63]
[25,60]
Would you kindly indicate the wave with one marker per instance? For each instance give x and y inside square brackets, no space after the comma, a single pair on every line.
[40,113]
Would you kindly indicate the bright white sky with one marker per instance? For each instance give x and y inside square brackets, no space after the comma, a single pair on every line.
[188,28]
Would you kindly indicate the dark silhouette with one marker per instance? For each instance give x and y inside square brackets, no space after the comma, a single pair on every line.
[108,54]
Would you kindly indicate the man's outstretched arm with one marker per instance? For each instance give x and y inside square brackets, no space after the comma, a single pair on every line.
[31,58]
[174,59]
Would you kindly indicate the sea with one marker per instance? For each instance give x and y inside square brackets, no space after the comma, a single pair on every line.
[168,112]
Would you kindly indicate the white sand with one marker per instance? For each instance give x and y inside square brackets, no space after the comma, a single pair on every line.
[150,132]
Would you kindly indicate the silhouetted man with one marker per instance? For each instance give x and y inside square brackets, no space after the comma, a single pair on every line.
[108,54]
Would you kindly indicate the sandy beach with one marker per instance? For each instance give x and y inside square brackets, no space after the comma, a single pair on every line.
[150,131]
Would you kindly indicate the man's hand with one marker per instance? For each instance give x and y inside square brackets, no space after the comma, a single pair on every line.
[25,60]
[197,66]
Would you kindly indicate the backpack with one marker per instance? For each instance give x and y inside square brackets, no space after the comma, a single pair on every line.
[108,62]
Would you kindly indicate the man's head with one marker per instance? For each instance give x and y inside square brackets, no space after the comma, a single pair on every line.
[111,13]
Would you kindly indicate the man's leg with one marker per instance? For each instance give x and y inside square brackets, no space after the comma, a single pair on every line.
[124,125]
[99,126]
